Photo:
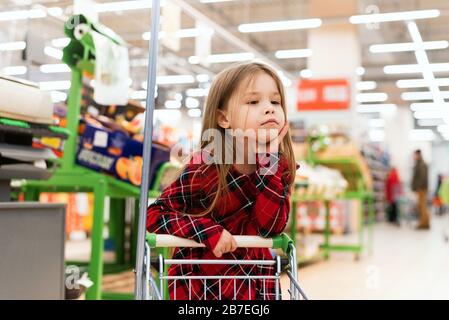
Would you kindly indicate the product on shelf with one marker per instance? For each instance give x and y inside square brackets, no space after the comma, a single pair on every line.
[378,162]
[79,211]
[313,185]
[319,181]
[104,147]
[310,216]
[23,100]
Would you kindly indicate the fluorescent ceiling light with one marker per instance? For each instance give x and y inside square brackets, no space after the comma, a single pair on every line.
[224,58]
[420,83]
[371,97]
[14,70]
[378,107]
[13,46]
[22,14]
[394,16]
[187,33]
[147,35]
[178,97]
[60,42]
[230,57]
[431,114]
[176,79]
[54,85]
[306,73]
[194,60]
[52,52]
[193,32]
[427,106]
[421,135]
[285,80]
[58,96]
[423,62]
[194,113]
[181,33]
[430,122]
[415,68]
[360,71]
[294,53]
[197,92]
[280,25]
[172,104]
[408,46]
[192,103]
[366,85]
[202,78]
[377,123]
[55,11]
[424,95]
[54,68]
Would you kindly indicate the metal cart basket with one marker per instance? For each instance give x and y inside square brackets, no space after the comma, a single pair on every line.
[155,289]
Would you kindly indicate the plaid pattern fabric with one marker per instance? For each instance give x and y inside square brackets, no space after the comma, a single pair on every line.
[256,204]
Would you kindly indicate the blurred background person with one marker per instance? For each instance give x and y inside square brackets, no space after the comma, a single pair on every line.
[393,191]
[437,202]
[420,187]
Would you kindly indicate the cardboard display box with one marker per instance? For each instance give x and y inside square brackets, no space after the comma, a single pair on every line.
[115,152]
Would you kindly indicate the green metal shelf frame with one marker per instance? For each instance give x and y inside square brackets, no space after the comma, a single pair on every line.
[360,193]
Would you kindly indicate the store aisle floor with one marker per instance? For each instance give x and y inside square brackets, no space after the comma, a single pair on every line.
[405,264]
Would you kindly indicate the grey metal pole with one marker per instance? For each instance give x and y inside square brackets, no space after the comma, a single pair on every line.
[148,139]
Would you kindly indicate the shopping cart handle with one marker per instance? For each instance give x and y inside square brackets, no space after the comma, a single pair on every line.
[281,241]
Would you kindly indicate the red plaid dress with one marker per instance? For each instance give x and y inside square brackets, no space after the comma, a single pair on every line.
[256,204]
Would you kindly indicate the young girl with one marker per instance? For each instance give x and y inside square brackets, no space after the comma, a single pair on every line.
[210,202]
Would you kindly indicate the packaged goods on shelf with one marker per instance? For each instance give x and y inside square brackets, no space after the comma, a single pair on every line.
[379,163]
[126,112]
[23,100]
[310,217]
[344,216]
[79,211]
[105,148]
[319,181]
[315,184]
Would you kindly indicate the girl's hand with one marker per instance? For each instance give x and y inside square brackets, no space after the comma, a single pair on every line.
[272,146]
[225,244]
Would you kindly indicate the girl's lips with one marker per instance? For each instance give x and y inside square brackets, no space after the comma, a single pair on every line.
[270,121]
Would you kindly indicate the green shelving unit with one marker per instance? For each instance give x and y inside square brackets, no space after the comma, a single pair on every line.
[357,191]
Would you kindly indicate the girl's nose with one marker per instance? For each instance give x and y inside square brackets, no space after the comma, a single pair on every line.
[269,108]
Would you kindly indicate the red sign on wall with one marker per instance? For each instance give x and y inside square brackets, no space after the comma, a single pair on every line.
[325,94]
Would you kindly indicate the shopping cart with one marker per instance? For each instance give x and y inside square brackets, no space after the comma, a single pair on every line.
[153,291]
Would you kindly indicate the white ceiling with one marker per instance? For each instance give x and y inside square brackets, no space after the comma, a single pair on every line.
[130,25]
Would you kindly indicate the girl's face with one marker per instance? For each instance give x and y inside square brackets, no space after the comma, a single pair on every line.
[255,106]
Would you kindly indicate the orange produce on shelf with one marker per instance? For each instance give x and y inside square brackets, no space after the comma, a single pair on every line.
[122,166]
[135,171]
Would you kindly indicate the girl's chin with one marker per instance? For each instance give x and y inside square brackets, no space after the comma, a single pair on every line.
[270,126]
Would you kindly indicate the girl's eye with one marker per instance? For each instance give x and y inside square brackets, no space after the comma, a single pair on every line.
[253,102]
[275,102]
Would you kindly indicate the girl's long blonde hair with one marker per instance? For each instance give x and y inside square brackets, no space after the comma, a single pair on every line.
[224,87]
